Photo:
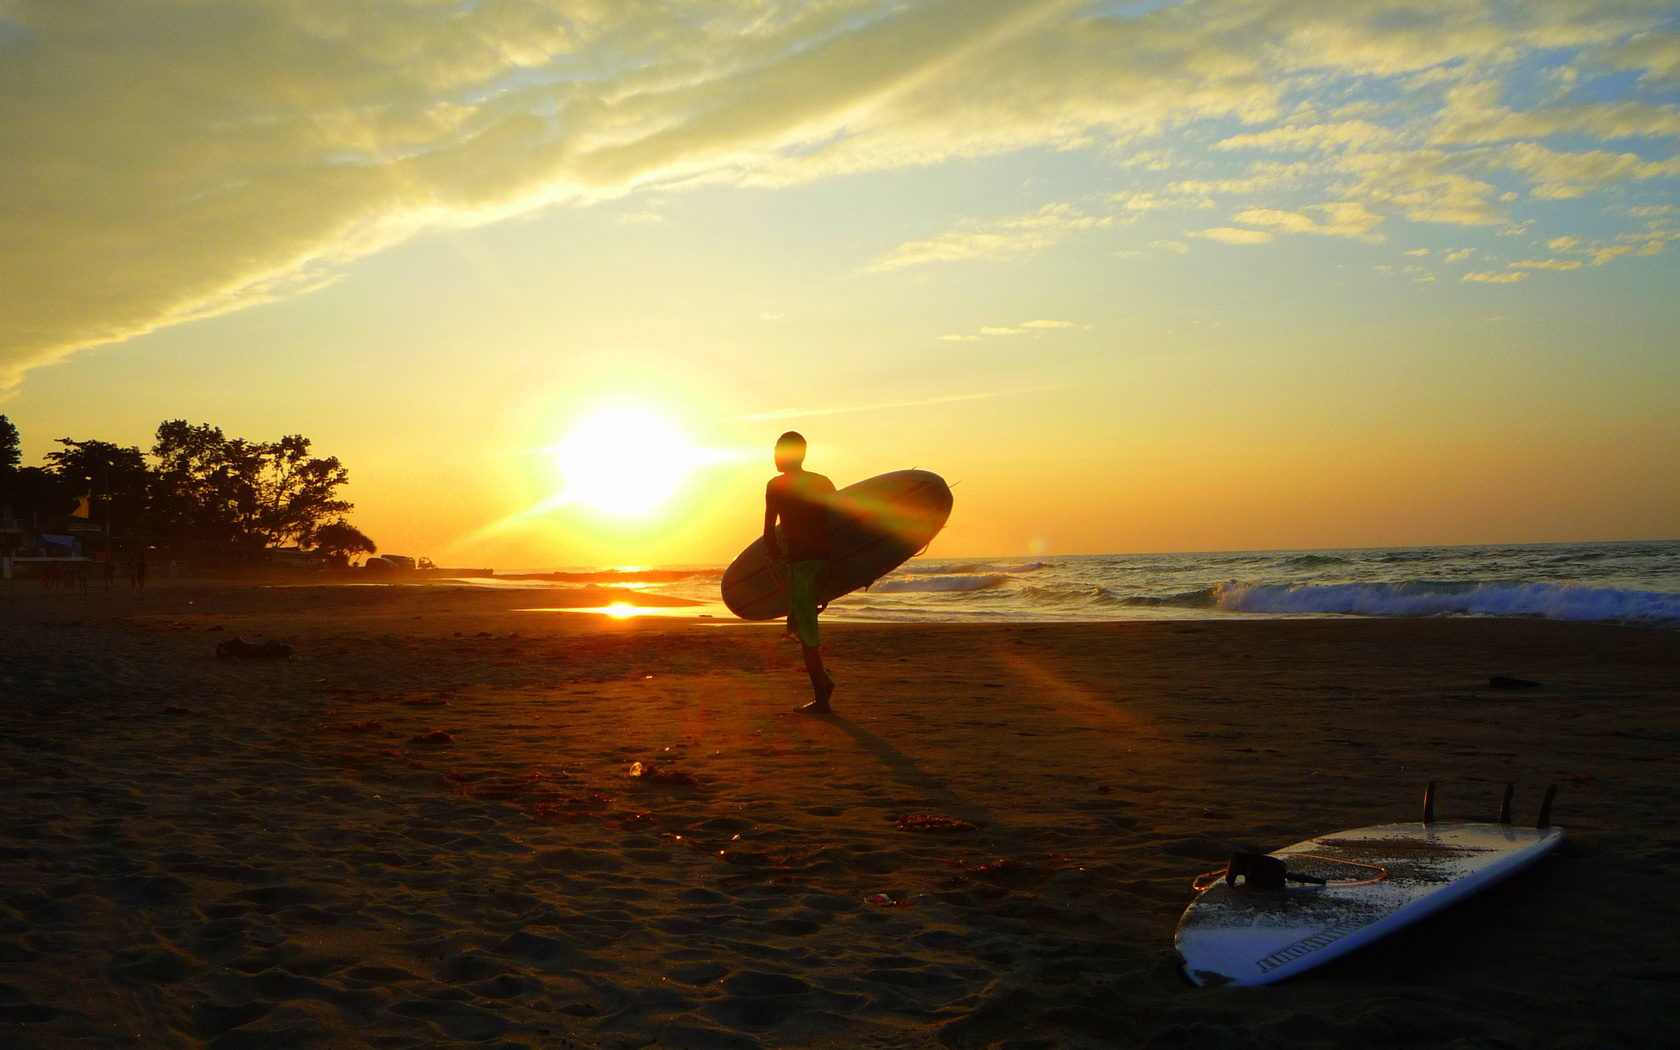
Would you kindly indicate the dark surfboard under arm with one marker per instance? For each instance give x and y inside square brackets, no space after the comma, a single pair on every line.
[877,525]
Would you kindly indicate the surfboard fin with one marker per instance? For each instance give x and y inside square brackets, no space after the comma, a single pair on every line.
[1429,803]
[1505,804]
[1545,820]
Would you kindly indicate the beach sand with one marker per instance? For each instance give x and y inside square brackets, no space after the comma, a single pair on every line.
[422,830]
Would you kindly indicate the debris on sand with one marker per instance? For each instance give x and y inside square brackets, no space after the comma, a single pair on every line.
[1013,874]
[648,773]
[240,649]
[934,824]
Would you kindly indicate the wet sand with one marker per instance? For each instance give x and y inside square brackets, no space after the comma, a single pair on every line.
[421,830]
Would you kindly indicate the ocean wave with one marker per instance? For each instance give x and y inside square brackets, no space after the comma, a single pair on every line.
[940,583]
[972,568]
[1197,599]
[1071,595]
[1313,561]
[1550,601]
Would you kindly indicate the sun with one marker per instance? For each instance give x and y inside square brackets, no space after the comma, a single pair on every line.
[623,461]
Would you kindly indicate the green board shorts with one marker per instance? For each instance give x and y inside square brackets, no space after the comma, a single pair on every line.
[802,615]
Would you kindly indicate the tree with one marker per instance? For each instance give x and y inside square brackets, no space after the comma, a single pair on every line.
[295,492]
[115,474]
[213,488]
[10,453]
[193,488]
[342,540]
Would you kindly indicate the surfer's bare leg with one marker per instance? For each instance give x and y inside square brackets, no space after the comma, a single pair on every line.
[821,684]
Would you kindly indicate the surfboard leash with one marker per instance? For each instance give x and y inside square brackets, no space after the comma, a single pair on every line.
[1262,871]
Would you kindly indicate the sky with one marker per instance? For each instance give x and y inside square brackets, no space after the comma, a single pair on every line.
[1134,276]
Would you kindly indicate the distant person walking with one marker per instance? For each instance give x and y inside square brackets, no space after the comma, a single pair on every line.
[802,501]
[140,572]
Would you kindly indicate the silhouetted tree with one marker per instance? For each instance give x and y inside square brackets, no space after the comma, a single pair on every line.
[32,493]
[210,487]
[107,472]
[194,493]
[10,457]
[11,454]
[342,541]
[296,492]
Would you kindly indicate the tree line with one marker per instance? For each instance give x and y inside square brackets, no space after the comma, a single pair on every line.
[195,488]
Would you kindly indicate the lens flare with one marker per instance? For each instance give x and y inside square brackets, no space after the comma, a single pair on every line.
[623,461]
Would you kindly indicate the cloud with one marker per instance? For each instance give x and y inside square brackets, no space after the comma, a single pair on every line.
[1461,255]
[1561,175]
[1262,176]
[1178,247]
[1423,185]
[1038,324]
[162,162]
[1349,134]
[1473,115]
[1417,251]
[1144,202]
[1495,277]
[1232,235]
[1547,264]
[1562,244]
[998,240]
[1655,54]
[1341,219]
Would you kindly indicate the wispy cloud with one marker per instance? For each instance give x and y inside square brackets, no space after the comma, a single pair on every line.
[1024,328]
[1496,277]
[801,413]
[317,133]
[1232,235]
[1000,239]
[1340,219]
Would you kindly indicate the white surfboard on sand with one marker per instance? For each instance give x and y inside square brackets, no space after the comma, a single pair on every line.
[1403,872]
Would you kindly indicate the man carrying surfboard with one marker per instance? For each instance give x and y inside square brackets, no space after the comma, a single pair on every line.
[802,501]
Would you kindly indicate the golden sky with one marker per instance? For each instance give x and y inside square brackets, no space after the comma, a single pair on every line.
[1138,275]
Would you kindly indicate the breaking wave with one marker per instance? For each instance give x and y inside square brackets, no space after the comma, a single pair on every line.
[1550,601]
[940,583]
[970,568]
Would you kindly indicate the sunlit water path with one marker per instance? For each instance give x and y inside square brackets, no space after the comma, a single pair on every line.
[1633,582]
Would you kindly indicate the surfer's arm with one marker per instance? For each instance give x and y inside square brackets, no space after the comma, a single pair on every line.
[770,526]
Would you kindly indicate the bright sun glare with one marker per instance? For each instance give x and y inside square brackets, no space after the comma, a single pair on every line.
[623,461]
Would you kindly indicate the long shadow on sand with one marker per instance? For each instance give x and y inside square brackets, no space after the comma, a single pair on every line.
[909,773]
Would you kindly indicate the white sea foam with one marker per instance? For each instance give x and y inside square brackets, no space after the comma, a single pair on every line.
[1551,601]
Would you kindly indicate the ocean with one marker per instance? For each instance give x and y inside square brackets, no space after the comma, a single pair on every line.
[1630,583]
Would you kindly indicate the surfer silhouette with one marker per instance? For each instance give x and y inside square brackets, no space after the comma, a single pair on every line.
[802,501]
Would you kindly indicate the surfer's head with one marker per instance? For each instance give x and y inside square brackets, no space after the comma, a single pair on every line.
[790,451]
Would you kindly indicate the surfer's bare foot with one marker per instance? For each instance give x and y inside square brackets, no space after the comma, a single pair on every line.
[825,689]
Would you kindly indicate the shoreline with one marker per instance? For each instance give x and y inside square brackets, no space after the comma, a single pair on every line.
[232,853]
